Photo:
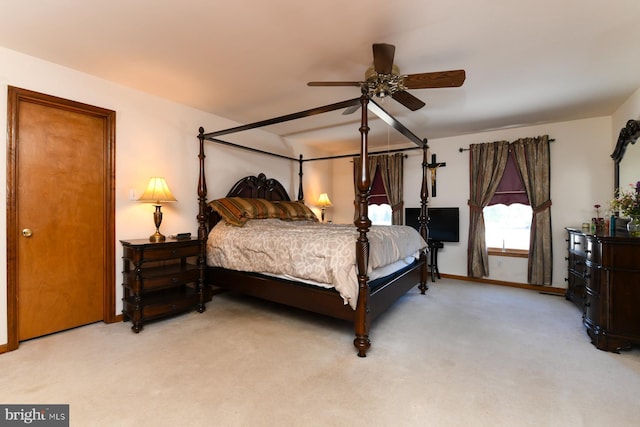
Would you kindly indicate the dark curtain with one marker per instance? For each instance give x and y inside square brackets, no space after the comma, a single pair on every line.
[533,160]
[511,189]
[391,168]
[486,165]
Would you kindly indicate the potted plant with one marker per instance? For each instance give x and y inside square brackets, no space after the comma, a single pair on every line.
[628,204]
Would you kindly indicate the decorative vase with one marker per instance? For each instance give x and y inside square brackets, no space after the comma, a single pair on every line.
[633,226]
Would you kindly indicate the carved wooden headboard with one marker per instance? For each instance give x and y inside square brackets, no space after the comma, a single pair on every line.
[259,187]
[252,187]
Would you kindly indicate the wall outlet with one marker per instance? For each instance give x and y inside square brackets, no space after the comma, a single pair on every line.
[133,194]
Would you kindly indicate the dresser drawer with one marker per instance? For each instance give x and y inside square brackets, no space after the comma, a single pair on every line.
[592,278]
[592,309]
[577,243]
[576,290]
[593,251]
[170,252]
[577,263]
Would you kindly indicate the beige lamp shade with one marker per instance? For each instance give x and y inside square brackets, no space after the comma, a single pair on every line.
[323,201]
[157,192]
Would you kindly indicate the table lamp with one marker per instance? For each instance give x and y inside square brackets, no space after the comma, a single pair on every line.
[323,203]
[157,192]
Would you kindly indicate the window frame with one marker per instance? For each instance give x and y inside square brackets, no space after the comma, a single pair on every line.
[506,252]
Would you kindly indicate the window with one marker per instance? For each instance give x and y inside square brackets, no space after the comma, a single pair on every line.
[380,212]
[507,218]
[508,227]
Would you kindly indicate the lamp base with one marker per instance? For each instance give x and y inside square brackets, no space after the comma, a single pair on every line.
[157,237]
[157,219]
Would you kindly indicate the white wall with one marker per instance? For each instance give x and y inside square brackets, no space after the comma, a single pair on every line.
[630,109]
[630,166]
[153,137]
[581,176]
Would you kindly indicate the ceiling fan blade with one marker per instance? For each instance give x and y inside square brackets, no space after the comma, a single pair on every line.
[453,78]
[334,84]
[383,57]
[408,100]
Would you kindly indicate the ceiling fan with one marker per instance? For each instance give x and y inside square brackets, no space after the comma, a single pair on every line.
[383,79]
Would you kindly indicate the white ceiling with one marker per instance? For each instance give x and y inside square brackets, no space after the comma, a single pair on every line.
[527,61]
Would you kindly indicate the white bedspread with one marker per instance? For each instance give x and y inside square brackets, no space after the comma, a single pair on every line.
[323,253]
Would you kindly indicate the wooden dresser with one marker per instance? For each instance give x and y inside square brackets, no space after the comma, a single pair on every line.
[604,282]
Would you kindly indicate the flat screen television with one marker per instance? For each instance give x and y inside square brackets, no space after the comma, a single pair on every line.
[443,223]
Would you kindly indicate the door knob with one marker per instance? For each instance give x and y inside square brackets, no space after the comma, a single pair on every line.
[26,232]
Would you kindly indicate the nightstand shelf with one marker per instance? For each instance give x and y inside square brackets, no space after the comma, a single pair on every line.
[161,279]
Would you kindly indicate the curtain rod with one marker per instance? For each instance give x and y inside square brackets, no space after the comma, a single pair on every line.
[467,149]
[396,150]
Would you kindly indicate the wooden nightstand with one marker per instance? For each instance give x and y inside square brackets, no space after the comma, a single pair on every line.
[161,279]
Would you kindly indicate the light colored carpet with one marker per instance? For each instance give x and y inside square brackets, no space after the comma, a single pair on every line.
[465,354]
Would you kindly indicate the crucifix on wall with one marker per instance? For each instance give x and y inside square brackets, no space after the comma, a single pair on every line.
[433,168]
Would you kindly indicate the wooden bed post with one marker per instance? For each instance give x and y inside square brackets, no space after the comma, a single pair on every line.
[300,192]
[202,191]
[423,218]
[202,221]
[362,223]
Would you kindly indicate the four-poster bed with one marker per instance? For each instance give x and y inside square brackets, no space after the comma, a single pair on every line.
[372,296]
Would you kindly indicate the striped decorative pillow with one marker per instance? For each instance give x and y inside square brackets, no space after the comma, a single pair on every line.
[297,211]
[238,210]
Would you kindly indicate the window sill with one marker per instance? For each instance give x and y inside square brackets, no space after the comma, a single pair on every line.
[514,253]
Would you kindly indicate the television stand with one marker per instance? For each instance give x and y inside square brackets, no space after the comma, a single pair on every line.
[434,245]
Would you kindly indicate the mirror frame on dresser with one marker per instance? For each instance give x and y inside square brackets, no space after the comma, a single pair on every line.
[628,135]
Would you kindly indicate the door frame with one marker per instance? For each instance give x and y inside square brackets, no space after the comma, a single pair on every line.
[15,97]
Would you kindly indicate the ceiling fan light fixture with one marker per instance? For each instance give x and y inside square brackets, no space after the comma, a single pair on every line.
[385,84]
[382,85]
